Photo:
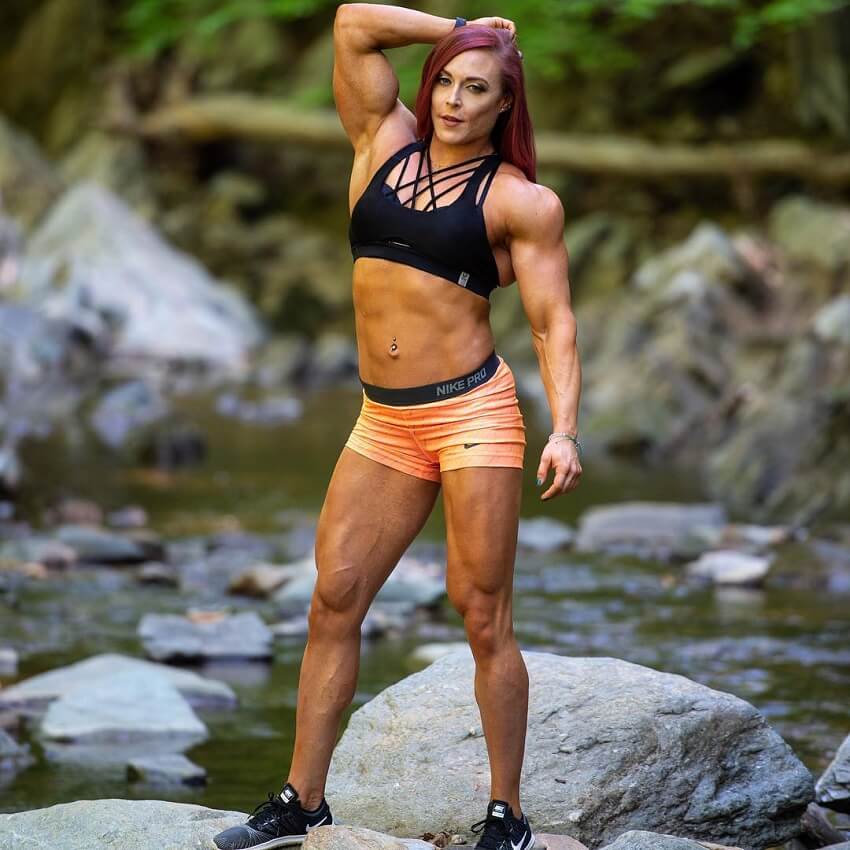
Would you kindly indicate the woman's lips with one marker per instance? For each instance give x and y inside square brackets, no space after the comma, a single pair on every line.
[450,121]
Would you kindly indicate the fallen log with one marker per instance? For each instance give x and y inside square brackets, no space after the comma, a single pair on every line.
[211,117]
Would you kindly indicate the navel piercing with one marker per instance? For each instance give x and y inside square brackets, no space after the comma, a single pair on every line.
[393,347]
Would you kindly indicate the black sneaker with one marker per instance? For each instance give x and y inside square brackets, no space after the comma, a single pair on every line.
[279,822]
[502,831]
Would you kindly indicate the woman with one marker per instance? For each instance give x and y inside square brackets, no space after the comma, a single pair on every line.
[439,405]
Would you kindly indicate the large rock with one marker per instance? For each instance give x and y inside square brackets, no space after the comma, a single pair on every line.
[653,529]
[115,825]
[35,693]
[129,707]
[99,265]
[610,746]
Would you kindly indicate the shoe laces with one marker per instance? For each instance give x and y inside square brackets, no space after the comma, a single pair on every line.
[274,811]
[495,831]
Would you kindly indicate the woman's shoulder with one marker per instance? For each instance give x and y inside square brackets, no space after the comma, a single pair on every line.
[526,204]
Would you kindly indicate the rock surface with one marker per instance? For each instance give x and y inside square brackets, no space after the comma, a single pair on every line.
[34,693]
[129,706]
[611,745]
[100,266]
[833,788]
[172,637]
[115,825]
[653,529]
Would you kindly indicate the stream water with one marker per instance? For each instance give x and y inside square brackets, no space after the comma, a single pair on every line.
[784,650]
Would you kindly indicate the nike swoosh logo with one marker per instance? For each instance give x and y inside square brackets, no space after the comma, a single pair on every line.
[469,446]
[517,846]
[315,825]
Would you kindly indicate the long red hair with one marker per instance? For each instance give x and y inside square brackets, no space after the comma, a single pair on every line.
[513,135]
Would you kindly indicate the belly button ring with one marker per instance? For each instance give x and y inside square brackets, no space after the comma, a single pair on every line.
[393,347]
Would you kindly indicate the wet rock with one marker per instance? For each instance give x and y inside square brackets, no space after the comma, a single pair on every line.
[131,706]
[173,445]
[144,825]
[35,693]
[28,569]
[158,573]
[8,661]
[650,529]
[295,626]
[263,579]
[100,546]
[125,409]
[74,512]
[43,550]
[833,788]
[544,534]
[131,516]
[272,410]
[166,769]
[413,583]
[629,732]
[726,566]
[747,536]
[99,265]
[171,637]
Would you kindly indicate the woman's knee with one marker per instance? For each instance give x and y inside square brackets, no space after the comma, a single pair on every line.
[338,597]
[488,623]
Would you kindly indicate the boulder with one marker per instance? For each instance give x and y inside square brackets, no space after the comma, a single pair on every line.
[652,529]
[131,706]
[97,264]
[611,746]
[116,825]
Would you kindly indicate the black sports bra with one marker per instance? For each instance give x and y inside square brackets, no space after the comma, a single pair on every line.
[449,241]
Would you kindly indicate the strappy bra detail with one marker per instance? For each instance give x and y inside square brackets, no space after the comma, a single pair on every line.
[448,240]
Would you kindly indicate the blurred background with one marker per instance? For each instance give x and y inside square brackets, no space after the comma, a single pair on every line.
[178,371]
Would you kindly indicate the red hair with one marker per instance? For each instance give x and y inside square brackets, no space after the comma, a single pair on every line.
[512,135]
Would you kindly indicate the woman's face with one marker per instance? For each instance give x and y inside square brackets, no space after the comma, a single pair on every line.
[469,88]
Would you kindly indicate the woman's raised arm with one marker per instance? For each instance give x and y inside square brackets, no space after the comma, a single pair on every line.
[365,86]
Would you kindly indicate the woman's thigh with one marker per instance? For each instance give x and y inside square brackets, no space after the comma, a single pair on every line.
[482,506]
[370,516]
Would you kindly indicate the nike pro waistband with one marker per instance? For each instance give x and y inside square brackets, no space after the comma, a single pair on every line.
[434,392]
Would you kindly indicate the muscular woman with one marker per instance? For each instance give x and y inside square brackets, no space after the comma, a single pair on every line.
[444,210]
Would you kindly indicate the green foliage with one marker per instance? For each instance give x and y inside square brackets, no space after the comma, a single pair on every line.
[151,25]
[589,35]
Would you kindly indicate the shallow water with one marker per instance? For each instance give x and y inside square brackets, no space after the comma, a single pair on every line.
[784,651]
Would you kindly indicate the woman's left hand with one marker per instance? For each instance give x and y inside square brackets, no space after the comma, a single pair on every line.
[562,456]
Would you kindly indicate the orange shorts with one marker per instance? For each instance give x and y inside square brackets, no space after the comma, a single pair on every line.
[482,427]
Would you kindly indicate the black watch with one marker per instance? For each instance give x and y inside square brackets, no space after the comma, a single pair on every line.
[460,22]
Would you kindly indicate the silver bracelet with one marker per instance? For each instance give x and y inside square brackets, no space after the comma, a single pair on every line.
[563,435]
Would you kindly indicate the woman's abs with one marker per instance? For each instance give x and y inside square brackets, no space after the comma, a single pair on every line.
[414,328]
